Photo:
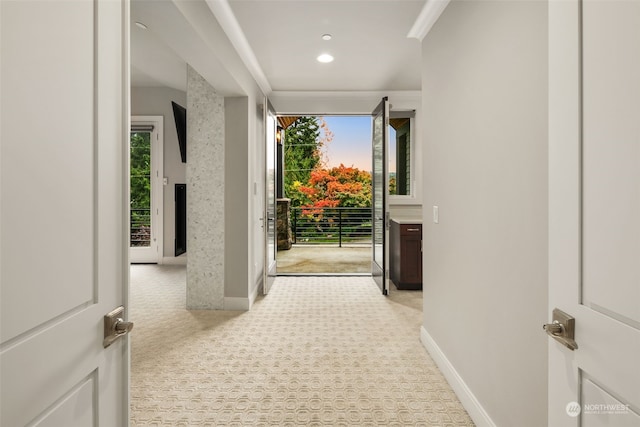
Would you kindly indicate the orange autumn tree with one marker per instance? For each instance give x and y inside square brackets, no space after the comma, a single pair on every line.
[305,144]
[340,186]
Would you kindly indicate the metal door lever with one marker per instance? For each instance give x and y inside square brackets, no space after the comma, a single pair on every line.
[562,329]
[115,326]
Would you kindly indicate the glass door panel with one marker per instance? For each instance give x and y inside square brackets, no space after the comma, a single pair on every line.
[145,187]
[141,219]
[270,198]
[379,191]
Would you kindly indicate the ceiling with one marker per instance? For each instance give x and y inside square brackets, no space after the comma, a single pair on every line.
[369,43]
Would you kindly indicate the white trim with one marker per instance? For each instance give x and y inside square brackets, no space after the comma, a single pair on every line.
[341,102]
[256,291]
[415,156]
[170,260]
[427,18]
[227,20]
[468,399]
[348,94]
[237,304]
[125,225]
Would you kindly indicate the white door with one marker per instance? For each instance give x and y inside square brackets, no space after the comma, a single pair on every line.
[380,196]
[64,255]
[146,189]
[594,210]
[269,218]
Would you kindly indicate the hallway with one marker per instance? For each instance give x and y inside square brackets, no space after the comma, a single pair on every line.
[317,351]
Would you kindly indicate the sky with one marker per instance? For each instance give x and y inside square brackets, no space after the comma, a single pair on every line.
[351,143]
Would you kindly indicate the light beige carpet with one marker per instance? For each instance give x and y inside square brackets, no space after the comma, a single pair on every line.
[317,351]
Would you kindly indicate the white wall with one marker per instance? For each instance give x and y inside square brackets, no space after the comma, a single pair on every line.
[236,202]
[244,189]
[156,101]
[485,164]
[257,173]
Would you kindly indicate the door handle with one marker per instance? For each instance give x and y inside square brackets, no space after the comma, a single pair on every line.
[115,327]
[562,329]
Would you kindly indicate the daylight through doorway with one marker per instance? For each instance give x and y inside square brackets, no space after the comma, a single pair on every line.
[145,189]
[324,208]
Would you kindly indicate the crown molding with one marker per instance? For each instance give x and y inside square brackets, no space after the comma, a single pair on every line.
[229,23]
[428,16]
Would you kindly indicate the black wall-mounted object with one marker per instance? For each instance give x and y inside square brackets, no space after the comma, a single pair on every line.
[180,117]
[181,219]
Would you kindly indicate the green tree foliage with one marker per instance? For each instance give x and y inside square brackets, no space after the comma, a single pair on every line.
[303,141]
[392,184]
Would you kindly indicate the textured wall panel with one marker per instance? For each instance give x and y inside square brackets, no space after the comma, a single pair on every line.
[205,187]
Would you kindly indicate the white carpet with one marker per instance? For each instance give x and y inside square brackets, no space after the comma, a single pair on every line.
[317,351]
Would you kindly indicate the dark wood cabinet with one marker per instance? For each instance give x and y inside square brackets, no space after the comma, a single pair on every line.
[405,255]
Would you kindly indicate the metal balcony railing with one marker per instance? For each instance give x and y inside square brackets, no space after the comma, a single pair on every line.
[331,225]
[140,227]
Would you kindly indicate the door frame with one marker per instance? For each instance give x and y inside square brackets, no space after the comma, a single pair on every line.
[157,187]
[270,269]
[380,273]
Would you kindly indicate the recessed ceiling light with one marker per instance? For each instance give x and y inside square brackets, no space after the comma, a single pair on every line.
[141,25]
[326,37]
[325,58]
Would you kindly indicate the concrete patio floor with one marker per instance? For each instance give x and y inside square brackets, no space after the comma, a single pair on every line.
[325,259]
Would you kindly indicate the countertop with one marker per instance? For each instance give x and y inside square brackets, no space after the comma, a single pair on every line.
[407,220]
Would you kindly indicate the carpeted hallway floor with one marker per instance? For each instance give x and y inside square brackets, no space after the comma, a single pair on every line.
[317,351]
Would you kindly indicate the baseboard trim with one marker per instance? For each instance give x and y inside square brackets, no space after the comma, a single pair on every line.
[170,260]
[242,303]
[255,292]
[237,304]
[468,399]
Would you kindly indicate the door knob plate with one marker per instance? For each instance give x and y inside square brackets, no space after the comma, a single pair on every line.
[115,326]
[562,329]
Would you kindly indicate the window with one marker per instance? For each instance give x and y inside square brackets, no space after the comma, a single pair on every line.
[400,149]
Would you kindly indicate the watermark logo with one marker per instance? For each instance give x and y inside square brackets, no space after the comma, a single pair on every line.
[573,409]
[605,408]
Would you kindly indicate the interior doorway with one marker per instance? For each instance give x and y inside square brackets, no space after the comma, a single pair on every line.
[145,189]
[326,195]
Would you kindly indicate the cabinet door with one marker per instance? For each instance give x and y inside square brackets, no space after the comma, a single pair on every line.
[411,259]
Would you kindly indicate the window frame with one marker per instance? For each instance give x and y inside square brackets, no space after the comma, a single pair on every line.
[414,198]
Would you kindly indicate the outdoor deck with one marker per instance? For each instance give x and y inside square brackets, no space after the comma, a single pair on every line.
[325,259]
